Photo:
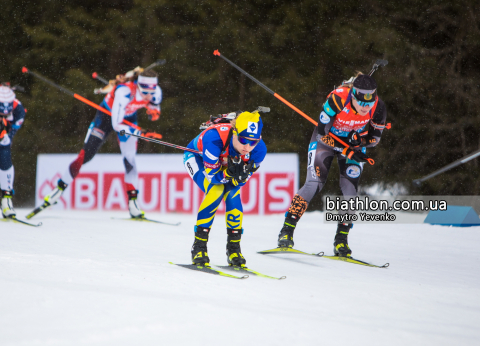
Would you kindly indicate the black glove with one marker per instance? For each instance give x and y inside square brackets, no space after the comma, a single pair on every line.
[237,171]
[354,139]
[355,155]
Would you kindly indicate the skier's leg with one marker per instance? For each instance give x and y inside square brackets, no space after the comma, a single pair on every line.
[128,147]
[350,172]
[205,217]
[320,159]
[7,175]
[208,207]
[97,133]
[234,220]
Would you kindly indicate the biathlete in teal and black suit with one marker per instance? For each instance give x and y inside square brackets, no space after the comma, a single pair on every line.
[231,153]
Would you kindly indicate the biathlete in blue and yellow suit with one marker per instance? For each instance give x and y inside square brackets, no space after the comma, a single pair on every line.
[355,114]
[231,153]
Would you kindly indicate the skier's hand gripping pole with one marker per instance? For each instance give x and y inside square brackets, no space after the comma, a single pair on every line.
[79,97]
[148,139]
[217,53]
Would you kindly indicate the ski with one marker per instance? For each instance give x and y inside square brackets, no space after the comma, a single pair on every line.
[209,270]
[15,220]
[356,261]
[248,270]
[280,250]
[144,219]
[37,210]
[289,250]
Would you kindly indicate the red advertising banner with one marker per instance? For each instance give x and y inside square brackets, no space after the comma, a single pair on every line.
[164,185]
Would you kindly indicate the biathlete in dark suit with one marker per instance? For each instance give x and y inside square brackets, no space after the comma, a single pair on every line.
[354,113]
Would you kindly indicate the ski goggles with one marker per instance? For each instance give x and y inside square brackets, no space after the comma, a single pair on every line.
[364,103]
[6,108]
[246,140]
[147,89]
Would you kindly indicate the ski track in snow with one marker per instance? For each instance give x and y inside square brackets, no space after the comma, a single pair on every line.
[85,279]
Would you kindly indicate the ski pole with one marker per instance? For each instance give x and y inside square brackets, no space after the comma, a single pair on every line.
[123,133]
[95,75]
[78,97]
[378,63]
[418,182]
[216,52]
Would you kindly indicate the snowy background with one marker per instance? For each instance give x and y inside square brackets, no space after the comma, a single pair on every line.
[84,278]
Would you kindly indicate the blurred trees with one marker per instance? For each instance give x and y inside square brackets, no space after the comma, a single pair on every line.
[300,49]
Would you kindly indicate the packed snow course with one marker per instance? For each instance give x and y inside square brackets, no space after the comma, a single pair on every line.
[84,278]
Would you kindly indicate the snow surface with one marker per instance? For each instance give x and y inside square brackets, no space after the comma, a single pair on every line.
[86,279]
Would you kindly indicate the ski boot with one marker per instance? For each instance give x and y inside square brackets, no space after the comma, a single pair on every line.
[234,253]
[54,196]
[135,211]
[7,205]
[285,237]
[199,247]
[340,245]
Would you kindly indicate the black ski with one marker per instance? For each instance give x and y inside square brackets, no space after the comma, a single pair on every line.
[15,220]
[288,250]
[144,219]
[355,261]
[38,209]
[248,270]
[280,250]
[209,270]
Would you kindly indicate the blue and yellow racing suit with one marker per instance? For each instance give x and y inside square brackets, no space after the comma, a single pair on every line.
[207,171]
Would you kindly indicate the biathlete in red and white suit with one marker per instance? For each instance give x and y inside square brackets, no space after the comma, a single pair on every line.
[12,115]
[347,113]
[123,102]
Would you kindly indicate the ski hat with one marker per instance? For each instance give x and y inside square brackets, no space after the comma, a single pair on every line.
[249,125]
[7,96]
[365,88]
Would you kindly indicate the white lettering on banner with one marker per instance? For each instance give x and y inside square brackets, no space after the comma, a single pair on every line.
[153,193]
[174,194]
[164,184]
[85,197]
[274,192]
[116,195]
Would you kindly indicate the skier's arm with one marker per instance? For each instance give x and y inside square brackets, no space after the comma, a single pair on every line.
[376,126]
[331,108]
[212,148]
[18,118]
[153,108]
[122,99]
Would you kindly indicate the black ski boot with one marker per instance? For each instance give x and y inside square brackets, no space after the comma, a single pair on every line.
[199,248]
[234,253]
[285,237]
[340,245]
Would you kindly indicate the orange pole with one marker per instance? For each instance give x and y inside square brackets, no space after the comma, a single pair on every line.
[94,105]
[81,98]
[217,53]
